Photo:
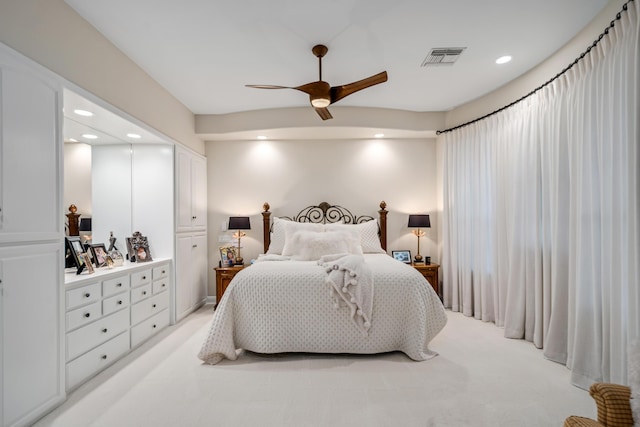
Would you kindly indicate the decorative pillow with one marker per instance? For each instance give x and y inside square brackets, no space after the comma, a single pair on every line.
[369,239]
[278,233]
[303,245]
[634,379]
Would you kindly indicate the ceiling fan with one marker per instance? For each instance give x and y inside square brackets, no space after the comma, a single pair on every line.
[321,94]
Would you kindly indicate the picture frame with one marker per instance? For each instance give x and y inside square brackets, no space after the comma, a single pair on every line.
[99,254]
[228,256]
[138,248]
[87,262]
[402,256]
[76,250]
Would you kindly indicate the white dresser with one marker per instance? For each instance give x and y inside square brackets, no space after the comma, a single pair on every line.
[112,311]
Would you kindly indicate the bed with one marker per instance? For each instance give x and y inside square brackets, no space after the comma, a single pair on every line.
[325,284]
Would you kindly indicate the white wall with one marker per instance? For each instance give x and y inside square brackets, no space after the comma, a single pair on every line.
[54,35]
[77,178]
[290,175]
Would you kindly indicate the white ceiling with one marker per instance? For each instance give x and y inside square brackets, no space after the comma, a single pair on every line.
[205,51]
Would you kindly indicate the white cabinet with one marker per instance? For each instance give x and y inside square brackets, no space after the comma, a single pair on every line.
[31,246]
[191,187]
[110,312]
[30,154]
[191,273]
[31,331]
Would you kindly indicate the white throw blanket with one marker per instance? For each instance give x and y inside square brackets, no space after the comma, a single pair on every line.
[351,285]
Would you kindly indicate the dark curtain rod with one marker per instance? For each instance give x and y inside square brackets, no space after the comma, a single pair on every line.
[579,58]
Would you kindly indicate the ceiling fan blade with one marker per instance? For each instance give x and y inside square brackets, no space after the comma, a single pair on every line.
[315,88]
[339,92]
[269,87]
[324,113]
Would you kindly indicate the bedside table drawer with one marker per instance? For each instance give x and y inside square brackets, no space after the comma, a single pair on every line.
[94,334]
[84,295]
[82,316]
[115,303]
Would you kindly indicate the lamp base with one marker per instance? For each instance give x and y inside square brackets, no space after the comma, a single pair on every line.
[418,259]
[239,261]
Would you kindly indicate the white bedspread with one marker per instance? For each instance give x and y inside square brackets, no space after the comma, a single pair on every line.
[286,306]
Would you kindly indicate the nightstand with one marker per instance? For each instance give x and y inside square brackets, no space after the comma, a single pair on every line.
[430,272]
[223,278]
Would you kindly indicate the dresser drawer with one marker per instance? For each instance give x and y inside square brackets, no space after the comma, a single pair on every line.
[149,327]
[160,272]
[115,285]
[149,307]
[84,295]
[94,334]
[115,303]
[140,278]
[160,285]
[96,360]
[140,293]
[83,315]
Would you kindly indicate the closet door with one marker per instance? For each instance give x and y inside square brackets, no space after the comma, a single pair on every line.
[30,157]
[30,297]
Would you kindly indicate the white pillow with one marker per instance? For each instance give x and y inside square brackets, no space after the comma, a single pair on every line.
[303,245]
[634,379]
[369,239]
[278,231]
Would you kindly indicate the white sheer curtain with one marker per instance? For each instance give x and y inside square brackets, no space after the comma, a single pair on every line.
[541,213]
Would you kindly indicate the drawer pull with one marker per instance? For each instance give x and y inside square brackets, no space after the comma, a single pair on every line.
[163,285]
[119,285]
[104,357]
[154,306]
[163,271]
[154,326]
[144,292]
[193,217]
[194,246]
[120,302]
[144,277]
[87,315]
[104,331]
[87,295]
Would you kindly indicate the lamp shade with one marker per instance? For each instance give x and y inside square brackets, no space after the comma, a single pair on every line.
[239,223]
[419,221]
[85,224]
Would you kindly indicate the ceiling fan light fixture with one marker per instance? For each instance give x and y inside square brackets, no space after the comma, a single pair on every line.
[319,102]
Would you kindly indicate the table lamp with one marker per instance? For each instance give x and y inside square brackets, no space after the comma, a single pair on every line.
[239,223]
[419,221]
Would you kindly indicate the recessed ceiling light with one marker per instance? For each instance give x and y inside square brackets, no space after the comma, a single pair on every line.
[379,135]
[134,135]
[89,136]
[73,140]
[262,137]
[503,59]
[84,113]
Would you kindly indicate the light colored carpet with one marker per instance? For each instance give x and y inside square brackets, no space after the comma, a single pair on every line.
[479,379]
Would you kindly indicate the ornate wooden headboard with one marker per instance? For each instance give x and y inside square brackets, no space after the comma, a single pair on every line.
[326,213]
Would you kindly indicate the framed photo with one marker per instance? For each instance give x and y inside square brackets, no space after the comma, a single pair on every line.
[138,248]
[228,256]
[87,262]
[99,254]
[76,250]
[402,256]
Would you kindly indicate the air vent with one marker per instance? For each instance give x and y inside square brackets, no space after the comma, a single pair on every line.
[442,56]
